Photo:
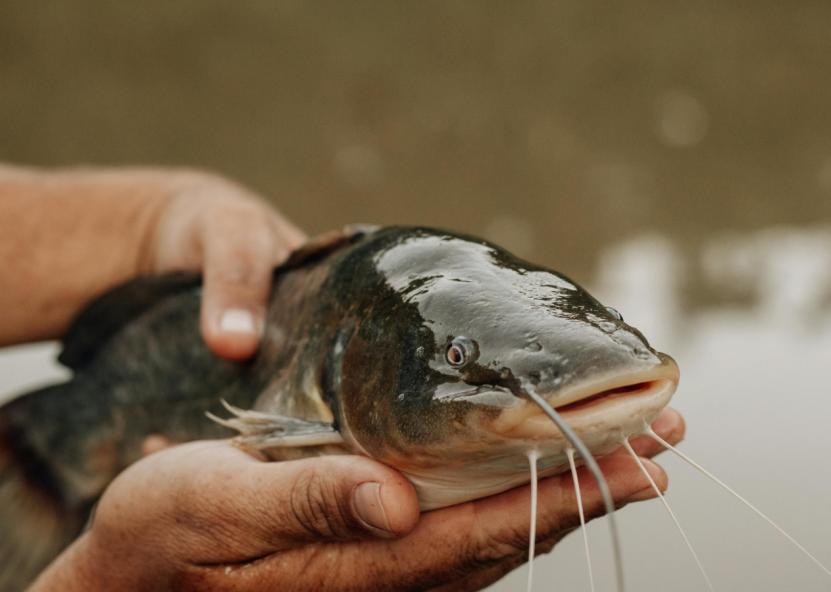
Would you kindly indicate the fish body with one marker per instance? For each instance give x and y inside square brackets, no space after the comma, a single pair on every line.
[413,346]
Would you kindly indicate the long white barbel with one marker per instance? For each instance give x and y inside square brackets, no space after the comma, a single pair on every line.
[576,481]
[671,513]
[602,486]
[533,455]
[650,432]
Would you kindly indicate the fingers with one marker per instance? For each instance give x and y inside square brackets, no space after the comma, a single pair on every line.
[558,504]
[230,507]
[236,240]
[463,547]
[330,498]
[242,243]
[482,540]
[489,536]
[238,250]
[154,443]
[669,425]
[290,234]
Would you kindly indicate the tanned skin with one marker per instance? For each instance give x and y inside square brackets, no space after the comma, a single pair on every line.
[189,517]
[68,236]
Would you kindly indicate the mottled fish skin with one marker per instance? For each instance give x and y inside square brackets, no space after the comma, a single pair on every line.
[353,360]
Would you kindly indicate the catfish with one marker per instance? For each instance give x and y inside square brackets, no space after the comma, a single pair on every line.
[427,350]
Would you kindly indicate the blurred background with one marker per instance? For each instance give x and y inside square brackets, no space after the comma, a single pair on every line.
[674,157]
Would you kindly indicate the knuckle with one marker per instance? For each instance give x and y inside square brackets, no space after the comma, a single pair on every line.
[316,506]
[213,191]
[489,547]
[495,550]
[546,545]
[238,273]
[245,263]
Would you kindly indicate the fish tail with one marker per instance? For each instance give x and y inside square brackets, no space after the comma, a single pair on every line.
[36,524]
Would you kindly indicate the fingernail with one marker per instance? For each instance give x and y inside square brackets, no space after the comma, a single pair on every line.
[368,509]
[237,320]
[647,492]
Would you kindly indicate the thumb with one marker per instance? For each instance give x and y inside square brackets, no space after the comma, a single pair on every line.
[276,506]
[346,497]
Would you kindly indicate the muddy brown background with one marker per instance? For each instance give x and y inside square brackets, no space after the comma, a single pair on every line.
[553,127]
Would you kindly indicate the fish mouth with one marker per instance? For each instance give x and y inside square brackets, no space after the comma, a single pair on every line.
[616,406]
[603,397]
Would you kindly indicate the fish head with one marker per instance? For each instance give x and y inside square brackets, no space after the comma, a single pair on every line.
[466,332]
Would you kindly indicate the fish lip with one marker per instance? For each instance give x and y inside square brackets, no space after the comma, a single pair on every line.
[666,370]
[623,402]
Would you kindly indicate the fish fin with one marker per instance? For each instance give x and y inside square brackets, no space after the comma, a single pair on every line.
[327,242]
[259,431]
[110,312]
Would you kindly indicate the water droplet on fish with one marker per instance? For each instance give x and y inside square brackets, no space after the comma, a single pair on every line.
[615,313]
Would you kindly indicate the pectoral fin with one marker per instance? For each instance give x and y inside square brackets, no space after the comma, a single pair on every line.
[261,431]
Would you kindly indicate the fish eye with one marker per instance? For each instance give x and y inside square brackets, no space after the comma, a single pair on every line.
[614,312]
[460,352]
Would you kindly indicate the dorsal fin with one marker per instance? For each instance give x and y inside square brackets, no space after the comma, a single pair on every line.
[106,315]
[325,243]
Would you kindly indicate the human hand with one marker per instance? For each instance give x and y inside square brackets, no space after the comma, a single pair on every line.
[206,516]
[235,239]
[69,235]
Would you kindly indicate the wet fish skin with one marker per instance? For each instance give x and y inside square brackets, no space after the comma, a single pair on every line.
[405,293]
